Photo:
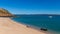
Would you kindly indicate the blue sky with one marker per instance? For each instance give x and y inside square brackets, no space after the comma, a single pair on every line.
[31,6]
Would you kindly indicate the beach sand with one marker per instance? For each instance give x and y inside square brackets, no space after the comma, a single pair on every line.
[8,26]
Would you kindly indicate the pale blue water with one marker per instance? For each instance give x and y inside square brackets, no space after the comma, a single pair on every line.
[42,21]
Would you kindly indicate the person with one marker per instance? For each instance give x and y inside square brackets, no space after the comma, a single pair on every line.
[27,26]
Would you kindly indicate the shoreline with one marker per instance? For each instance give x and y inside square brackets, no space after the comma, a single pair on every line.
[33,27]
[8,26]
[38,29]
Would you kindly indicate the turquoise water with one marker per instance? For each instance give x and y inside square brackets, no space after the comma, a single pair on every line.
[41,21]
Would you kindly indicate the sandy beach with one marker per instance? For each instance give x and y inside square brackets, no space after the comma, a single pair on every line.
[8,26]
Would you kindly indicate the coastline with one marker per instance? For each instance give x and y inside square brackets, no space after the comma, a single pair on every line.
[8,26]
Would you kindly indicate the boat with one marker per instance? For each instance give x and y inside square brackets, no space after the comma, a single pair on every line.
[50,16]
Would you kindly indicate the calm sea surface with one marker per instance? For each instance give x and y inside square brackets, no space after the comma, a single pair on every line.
[51,22]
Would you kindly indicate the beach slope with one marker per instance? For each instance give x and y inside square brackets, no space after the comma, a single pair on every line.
[8,26]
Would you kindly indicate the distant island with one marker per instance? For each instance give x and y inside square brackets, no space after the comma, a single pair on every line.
[40,14]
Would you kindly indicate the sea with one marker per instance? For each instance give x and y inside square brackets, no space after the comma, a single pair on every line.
[50,22]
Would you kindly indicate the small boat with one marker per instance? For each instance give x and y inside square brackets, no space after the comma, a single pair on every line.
[43,29]
[50,16]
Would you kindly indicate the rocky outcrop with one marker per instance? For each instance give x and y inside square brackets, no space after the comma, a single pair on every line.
[5,13]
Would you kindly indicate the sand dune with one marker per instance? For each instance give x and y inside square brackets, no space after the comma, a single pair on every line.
[8,26]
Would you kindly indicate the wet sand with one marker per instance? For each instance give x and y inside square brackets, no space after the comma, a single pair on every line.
[8,26]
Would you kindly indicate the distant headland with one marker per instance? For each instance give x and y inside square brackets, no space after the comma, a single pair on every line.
[5,13]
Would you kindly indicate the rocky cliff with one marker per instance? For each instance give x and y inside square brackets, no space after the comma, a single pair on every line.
[5,13]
